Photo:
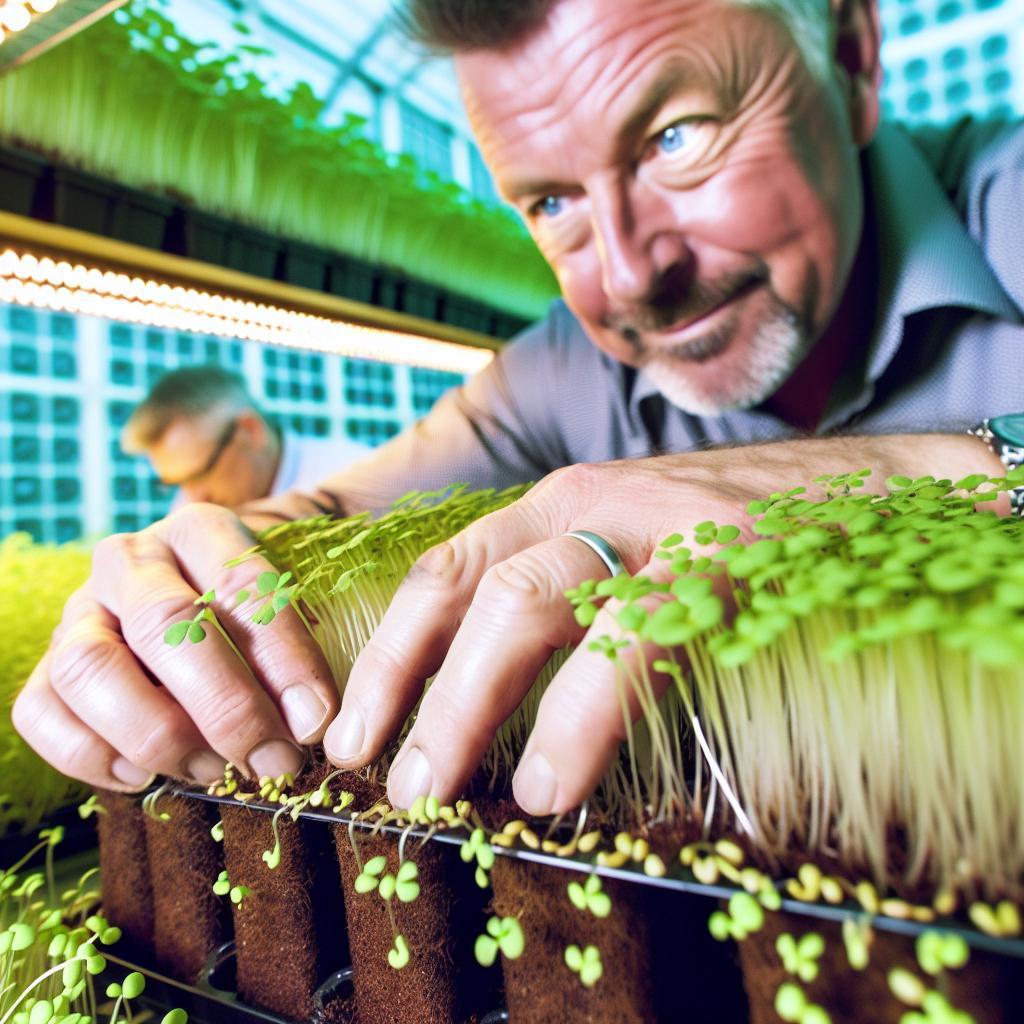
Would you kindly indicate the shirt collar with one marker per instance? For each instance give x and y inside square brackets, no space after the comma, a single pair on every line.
[927,260]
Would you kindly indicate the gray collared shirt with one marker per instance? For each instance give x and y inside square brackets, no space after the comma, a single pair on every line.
[947,210]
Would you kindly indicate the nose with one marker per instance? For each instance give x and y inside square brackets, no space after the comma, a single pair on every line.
[638,245]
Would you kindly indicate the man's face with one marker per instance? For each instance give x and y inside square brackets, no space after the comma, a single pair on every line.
[693,185]
[214,458]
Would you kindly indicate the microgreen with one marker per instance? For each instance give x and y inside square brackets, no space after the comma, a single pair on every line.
[857,939]
[90,807]
[477,848]
[503,934]
[586,963]
[792,1005]
[590,896]
[937,951]
[744,917]
[278,593]
[801,957]
[193,628]
[398,955]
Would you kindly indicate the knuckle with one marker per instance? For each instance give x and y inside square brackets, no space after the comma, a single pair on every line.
[77,757]
[146,623]
[111,549]
[232,722]
[515,586]
[439,565]
[157,748]
[80,661]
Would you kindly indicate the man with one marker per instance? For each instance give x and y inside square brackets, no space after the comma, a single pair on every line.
[204,434]
[746,268]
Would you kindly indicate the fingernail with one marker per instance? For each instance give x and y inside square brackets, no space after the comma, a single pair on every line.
[410,778]
[535,785]
[345,737]
[130,774]
[304,711]
[275,757]
[205,767]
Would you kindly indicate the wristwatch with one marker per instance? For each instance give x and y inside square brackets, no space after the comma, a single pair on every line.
[1005,437]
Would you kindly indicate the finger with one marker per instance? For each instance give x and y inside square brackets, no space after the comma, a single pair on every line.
[93,671]
[48,726]
[283,655]
[518,618]
[583,716]
[410,643]
[136,578]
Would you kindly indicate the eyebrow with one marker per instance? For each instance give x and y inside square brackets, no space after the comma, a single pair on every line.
[668,82]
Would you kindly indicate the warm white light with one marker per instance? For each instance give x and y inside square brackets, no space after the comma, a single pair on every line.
[28,281]
[42,6]
[15,16]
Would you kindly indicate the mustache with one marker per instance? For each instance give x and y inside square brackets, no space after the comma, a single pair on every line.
[680,304]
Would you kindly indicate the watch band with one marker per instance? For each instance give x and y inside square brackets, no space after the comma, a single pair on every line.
[1004,436]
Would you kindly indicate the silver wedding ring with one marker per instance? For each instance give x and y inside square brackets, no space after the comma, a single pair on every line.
[601,548]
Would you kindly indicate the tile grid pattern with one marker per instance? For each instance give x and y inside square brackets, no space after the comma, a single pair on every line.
[67,385]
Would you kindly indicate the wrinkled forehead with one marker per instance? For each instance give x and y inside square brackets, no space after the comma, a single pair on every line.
[591,60]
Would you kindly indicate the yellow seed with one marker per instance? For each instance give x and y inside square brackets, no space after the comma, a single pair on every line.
[729,870]
[529,838]
[798,892]
[899,909]
[810,879]
[640,850]
[1008,916]
[730,851]
[654,866]
[750,879]
[867,896]
[983,918]
[513,828]
[688,854]
[498,839]
[945,902]
[831,890]
[464,808]
[567,850]
[705,869]
[924,915]
[549,845]
[588,841]
[612,860]
[447,813]
[624,843]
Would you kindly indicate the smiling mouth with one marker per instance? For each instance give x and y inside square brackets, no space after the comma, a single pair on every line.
[678,331]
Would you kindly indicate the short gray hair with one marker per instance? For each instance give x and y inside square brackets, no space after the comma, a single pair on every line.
[191,391]
[452,26]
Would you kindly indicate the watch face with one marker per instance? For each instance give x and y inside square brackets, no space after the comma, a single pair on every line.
[1009,429]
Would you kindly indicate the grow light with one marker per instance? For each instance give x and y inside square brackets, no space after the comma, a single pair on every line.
[46,283]
[29,27]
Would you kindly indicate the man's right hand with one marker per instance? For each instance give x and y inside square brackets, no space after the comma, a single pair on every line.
[113,704]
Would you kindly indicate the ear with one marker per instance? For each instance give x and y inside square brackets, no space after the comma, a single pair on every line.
[252,427]
[858,36]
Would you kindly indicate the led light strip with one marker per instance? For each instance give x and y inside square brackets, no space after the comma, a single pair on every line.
[16,16]
[45,283]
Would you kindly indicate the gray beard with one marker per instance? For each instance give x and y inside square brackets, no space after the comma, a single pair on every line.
[776,349]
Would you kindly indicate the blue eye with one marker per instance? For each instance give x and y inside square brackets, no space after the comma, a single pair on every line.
[675,137]
[549,206]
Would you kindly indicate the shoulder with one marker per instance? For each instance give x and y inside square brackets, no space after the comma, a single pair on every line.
[980,165]
[555,344]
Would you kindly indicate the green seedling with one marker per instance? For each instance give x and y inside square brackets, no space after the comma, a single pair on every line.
[793,1006]
[504,934]
[590,896]
[90,807]
[278,590]
[404,884]
[236,893]
[938,951]
[586,963]
[932,1007]
[801,958]
[398,955]
[857,939]
[744,917]
[477,848]
[193,628]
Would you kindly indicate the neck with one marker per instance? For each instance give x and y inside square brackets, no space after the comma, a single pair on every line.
[803,398]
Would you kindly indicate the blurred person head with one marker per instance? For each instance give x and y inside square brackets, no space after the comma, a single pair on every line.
[689,169]
[204,434]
